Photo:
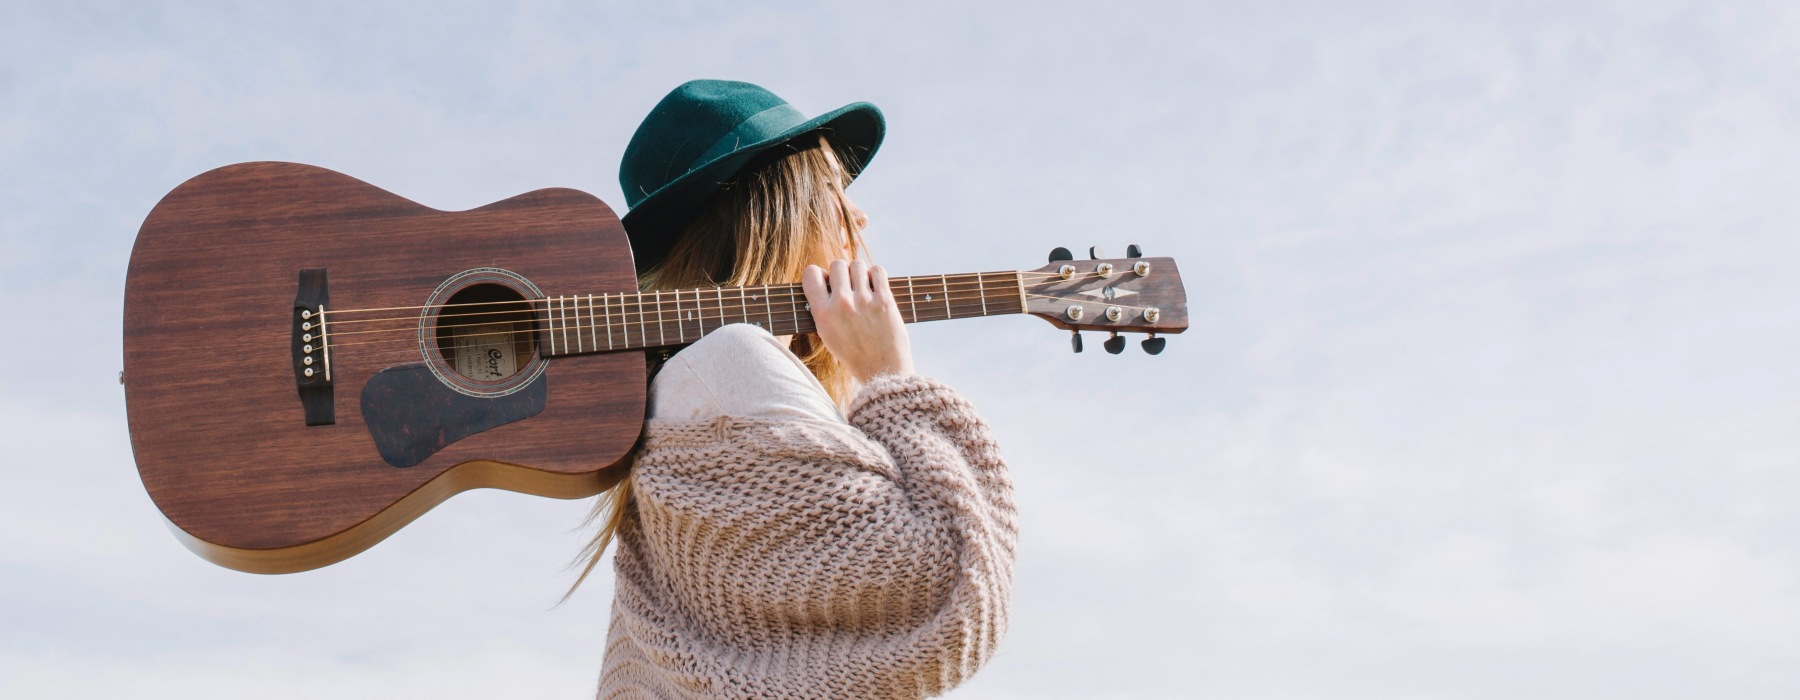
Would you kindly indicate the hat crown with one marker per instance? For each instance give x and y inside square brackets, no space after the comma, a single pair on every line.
[696,123]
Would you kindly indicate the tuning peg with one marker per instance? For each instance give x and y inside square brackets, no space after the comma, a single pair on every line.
[1059,254]
[1075,340]
[1133,251]
[1154,345]
[1094,253]
[1115,344]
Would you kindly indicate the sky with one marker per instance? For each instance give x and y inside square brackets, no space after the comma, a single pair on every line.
[1490,388]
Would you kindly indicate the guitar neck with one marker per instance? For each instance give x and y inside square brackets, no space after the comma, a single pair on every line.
[581,324]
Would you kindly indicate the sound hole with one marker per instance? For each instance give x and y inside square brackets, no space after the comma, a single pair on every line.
[484,332]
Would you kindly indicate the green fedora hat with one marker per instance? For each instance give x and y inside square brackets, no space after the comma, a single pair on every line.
[698,138]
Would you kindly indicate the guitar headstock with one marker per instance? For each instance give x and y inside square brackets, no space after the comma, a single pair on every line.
[1118,295]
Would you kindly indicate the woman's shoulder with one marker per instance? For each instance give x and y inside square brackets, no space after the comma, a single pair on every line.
[739,370]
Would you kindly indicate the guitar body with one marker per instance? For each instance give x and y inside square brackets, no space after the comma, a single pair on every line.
[218,406]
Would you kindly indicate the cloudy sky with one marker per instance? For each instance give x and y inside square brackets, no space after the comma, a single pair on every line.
[1490,392]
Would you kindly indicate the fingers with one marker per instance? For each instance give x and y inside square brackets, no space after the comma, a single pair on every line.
[812,281]
[848,281]
[859,279]
[878,283]
[840,277]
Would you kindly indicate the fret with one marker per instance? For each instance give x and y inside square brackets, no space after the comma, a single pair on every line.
[550,322]
[624,324]
[981,291]
[945,285]
[663,333]
[720,294]
[794,309]
[911,301]
[606,312]
[743,305]
[570,318]
[565,323]
[768,309]
[564,306]
[680,330]
[580,345]
[702,332]
[593,325]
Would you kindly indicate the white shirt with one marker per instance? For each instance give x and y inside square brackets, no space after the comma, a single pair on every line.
[742,371]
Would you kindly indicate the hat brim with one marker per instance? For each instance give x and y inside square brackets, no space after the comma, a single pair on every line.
[854,131]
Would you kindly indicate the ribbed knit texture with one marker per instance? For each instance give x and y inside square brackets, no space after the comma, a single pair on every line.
[801,560]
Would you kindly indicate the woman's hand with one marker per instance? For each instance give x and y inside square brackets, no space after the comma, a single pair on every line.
[857,318]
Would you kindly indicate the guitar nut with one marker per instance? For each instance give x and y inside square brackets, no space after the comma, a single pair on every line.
[1151,314]
[1113,313]
[1067,271]
[1105,269]
[1141,267]
[1075,312]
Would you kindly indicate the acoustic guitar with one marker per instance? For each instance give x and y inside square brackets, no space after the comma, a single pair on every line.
[312,362]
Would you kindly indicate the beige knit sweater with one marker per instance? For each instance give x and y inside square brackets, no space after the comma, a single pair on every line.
[797,559]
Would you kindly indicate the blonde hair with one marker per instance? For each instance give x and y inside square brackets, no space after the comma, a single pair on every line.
[785,210]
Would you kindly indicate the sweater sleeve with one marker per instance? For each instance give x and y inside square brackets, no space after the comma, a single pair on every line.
[800,559]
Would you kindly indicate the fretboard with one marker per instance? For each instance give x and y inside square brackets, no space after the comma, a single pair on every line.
[579,324]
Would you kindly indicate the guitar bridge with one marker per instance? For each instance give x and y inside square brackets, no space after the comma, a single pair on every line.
[312,348]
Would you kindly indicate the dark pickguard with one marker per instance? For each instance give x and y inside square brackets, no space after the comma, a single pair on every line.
[412,415]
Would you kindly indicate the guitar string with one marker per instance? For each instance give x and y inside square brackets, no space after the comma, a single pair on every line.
[776,292]
[649,317]
[788,294]
[640,307]
[407,347]
[640,314]
[933,279]
[407,352]
[580,306]
[643,314]
[1018,273]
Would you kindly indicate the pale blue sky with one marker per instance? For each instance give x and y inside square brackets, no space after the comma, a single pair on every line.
[1490,391]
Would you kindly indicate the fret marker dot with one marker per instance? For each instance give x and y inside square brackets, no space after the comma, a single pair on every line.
[928,297]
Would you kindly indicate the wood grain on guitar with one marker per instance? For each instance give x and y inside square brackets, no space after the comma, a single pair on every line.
[505,344]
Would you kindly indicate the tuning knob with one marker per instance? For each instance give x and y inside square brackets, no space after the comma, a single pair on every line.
[1060,253]
[1154,345]
[1115,344]
[1075,340]
[1094,253]
[1133,251]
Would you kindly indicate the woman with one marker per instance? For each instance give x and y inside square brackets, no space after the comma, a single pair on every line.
[769,544]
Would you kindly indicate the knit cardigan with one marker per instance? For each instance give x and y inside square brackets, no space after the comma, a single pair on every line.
[795,559]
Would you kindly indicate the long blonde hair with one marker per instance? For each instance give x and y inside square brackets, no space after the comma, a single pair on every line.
[785,210]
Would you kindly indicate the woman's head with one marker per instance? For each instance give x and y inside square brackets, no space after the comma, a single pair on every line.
[703,135]
[784,211]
